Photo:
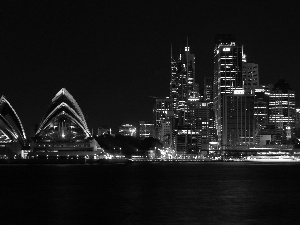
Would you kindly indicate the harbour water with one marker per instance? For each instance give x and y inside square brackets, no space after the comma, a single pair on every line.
[151,193]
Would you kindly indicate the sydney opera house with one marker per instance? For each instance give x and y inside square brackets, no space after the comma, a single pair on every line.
[62,132]
[12,135]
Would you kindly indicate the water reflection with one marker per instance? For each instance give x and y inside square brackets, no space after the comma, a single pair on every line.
[175,193]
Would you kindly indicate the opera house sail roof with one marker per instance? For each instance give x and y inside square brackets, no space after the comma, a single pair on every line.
[63,121]
[11,128]
[63,131]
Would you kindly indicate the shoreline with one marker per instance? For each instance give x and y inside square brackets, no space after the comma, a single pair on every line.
[127,161]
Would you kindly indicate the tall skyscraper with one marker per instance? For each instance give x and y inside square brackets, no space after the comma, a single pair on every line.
[208,133]
[182,85]
[228,58]
[184,93]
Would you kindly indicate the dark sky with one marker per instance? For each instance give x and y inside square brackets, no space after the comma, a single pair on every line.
[112,56]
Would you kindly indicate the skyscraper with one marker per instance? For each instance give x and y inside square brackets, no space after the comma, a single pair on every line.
[228,76]
[184,92]
[182,85]
[261,107]
[188,134]
[239,124]
[282,112]
[208,130]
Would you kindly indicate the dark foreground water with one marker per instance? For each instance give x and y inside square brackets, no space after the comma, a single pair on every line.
[154,193]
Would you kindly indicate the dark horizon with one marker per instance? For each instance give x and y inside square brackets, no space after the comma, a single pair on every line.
[112,58]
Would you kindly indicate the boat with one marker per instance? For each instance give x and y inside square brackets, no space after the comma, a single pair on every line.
[272,158]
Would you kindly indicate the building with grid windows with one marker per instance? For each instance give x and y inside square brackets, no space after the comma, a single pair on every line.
[282,111]
[250,77]
[146,129]
[239,123]
[228,59]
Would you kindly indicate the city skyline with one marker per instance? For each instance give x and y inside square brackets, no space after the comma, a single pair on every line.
[112,58]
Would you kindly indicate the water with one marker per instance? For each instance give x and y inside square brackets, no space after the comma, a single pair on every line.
[150,193]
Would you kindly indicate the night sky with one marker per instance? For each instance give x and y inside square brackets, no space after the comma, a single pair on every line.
[112,56]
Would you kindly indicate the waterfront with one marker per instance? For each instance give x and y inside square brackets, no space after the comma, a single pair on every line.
[151,193]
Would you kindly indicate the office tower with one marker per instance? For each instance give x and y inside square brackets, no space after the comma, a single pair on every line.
[228,77]
[205,123]
[261,109]
[282,111]
[239,124]
[127,130]
[209,99]
[184,92]
[188,134]
[163,124]
[182,85]
[250,77]
[208,129]
[146,129]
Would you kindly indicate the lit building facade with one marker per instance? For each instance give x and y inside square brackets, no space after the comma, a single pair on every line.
[127,130]
[208,89]
[266,135]
[205,114]
[250,77]
[104,130]
[188,132]
[282,111]
[63,131]
[182,84]
[228,59]
[184,95]
[146,129]
[164,120]
[239,123]
[261,110]
[208,115]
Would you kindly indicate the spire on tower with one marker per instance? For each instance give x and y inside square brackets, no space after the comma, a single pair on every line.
[171,52]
